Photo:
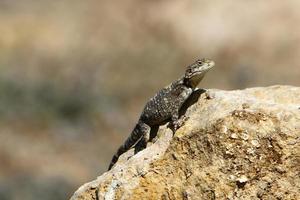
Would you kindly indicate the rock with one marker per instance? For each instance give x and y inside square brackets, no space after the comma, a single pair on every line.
[240,144]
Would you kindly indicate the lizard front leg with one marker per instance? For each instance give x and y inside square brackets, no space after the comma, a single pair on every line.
[177,121]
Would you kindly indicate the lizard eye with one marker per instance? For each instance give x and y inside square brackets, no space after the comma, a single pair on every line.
[200,62]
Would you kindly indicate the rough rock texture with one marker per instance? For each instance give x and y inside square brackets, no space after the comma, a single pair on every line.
[240,144]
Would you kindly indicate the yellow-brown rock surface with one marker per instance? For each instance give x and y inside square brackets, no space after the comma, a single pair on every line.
[240,144]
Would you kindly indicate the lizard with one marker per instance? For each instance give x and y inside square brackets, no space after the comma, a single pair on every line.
[165,105]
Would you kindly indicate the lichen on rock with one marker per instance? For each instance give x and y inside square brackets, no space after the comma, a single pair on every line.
[240,144]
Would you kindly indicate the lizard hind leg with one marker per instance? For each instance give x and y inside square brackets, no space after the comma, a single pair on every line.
[138,132]
[145,138]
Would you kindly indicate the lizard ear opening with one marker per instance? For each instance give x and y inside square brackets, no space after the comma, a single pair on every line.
[188,72]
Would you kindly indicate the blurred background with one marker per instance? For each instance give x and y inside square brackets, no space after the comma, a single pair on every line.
[74,75]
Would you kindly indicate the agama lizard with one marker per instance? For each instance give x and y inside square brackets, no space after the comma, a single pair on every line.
[165,105]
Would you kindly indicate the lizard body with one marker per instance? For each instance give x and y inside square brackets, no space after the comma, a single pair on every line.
[165,106]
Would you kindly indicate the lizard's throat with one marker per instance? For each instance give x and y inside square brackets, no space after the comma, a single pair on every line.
[193,81]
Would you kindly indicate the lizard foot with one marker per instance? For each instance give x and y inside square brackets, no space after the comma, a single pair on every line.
[141,145]
[180,122]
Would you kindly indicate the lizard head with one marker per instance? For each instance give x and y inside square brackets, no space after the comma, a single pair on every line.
[196,71]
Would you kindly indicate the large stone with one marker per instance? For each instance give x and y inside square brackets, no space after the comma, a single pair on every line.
[240,144]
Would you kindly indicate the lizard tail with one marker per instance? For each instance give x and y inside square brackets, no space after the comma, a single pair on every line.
[130,141]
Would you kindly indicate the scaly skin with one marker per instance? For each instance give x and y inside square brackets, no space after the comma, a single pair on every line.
[165,105]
